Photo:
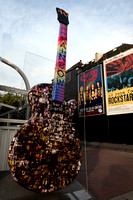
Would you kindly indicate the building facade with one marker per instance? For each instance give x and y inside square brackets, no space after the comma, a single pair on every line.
[114,124]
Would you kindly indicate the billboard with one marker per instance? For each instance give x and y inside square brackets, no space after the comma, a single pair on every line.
[118,73]
[90,92]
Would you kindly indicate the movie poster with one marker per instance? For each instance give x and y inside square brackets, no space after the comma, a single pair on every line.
[118,72]
[90,91]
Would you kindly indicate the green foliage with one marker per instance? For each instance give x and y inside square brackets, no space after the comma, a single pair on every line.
[13,100]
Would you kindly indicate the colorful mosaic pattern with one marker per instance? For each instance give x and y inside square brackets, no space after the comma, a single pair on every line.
[45,154]
[60,68]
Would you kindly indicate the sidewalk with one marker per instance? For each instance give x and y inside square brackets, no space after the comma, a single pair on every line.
[109,170]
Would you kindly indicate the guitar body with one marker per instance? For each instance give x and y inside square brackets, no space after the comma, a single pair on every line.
[45,153]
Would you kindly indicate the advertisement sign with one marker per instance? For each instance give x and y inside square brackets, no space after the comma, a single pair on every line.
[118,71]
[90,91]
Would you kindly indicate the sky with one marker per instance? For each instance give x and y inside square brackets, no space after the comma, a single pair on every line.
[29,34]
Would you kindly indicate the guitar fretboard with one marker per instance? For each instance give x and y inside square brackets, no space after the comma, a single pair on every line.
[60,68]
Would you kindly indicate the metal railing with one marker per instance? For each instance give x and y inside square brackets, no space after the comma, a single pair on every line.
[6,135]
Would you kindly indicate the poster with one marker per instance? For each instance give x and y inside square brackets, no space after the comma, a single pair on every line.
[118,71]
[90,92]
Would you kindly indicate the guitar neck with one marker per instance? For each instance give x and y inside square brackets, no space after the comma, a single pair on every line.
[60,68]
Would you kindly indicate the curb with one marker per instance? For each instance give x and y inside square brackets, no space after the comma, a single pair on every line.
[111,146]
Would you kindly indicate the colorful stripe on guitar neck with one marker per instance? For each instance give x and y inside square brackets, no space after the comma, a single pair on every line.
[60,68]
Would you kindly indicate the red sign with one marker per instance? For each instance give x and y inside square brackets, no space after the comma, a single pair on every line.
[89,76]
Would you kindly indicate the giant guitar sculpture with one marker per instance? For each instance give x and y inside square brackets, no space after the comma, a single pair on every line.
[45,153]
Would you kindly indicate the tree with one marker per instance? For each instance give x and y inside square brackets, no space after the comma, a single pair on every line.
[14,100]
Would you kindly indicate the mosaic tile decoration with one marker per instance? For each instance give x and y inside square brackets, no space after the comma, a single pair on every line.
[45,154]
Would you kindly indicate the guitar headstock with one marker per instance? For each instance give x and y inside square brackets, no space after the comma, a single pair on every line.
[62,16]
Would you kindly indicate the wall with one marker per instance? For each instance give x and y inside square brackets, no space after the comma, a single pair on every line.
[71,85]
[115,128]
